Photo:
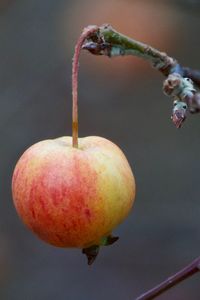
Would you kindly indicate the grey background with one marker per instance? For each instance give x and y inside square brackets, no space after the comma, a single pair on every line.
[120,99]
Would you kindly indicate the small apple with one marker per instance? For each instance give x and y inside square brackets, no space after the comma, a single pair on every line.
[72,192]
[73,197]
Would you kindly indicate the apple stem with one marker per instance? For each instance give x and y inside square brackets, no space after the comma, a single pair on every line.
[87,32]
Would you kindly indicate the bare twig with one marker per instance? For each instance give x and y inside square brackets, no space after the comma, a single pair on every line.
[107,41]
[183,274]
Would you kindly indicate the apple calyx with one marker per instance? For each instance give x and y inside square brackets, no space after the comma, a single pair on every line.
[92,251]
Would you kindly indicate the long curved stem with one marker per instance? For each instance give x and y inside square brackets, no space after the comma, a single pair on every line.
[183,274]
[87,32]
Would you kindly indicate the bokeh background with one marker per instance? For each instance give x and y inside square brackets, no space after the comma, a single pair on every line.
[120,99]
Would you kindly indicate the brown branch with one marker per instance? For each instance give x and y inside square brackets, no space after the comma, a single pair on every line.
[109,42]
[183,274]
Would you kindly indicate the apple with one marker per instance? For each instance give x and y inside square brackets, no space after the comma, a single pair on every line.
[73,197]
[71,191]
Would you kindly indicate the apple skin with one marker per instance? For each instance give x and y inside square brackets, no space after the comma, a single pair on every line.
[72,197]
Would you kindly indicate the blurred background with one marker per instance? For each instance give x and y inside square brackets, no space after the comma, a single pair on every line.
[122,100]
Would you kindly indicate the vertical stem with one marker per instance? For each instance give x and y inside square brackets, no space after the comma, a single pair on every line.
[85,34]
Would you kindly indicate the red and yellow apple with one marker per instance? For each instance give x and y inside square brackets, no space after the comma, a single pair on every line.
[70,191]
[73,197]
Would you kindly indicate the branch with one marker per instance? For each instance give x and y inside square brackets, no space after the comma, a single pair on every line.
[107,41]
[183,274]
[179,85]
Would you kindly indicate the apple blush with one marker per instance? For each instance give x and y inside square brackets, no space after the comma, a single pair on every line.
[72,192]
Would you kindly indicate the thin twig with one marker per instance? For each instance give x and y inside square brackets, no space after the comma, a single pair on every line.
[183,274]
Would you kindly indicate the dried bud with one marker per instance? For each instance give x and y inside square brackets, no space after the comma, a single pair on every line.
[97,48]
[179,113]
[180,87]
[171,84]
